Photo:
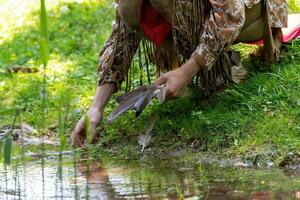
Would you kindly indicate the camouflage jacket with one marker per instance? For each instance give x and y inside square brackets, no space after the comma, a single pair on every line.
[221,27]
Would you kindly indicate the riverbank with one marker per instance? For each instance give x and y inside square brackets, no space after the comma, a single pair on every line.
[256,122]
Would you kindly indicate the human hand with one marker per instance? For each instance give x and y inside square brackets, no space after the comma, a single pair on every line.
[175,81]
[79,134]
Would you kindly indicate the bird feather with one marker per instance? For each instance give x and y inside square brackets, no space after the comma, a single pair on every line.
[137,100]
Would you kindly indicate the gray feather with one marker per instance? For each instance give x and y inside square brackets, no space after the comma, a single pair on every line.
[144,140]
[137,100]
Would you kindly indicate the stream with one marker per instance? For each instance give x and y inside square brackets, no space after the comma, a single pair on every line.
[63,177]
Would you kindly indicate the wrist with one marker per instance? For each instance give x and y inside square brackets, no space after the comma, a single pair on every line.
[190,68]
[95,108]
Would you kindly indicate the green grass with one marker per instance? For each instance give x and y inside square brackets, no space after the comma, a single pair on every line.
[76,31]
[256,121]
[259,119]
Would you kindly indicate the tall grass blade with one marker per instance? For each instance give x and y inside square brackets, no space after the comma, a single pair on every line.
[44,39]
[87,128]
[7,150]
[61,128]
[44,50]
[1,147]
[8,143]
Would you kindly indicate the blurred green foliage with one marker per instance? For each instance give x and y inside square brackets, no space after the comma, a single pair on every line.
[294,6]
[76,33]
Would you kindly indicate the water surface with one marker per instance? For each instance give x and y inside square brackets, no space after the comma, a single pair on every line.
[134,179]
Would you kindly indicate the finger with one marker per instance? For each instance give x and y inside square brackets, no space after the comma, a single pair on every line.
[75,136]
[75,140]
[80,142]
[78,138]
[79,128]
[170,92]
[161,80]
[95,134]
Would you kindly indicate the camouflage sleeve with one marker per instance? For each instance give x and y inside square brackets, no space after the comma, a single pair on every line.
[278,11]
[222,27]
[117,54]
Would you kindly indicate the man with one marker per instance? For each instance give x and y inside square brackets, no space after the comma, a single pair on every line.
[188,38]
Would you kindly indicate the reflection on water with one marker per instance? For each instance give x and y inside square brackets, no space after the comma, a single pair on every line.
[166,179]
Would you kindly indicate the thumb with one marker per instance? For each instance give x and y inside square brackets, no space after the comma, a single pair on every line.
[161,80]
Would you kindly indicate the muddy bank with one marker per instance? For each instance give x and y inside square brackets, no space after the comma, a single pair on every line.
[225,158]
[156,148]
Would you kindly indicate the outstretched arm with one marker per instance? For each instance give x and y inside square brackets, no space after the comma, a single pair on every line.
[115,60]
[95,114]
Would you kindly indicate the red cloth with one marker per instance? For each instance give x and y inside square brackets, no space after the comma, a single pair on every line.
[294,34]
[155,26]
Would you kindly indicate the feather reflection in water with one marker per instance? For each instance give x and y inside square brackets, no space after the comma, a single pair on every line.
[138,100]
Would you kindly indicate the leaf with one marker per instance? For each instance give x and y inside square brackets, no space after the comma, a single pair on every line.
[87,128]
[44,39]
[44,50]
[8,143]
[7,150]
[1,147]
